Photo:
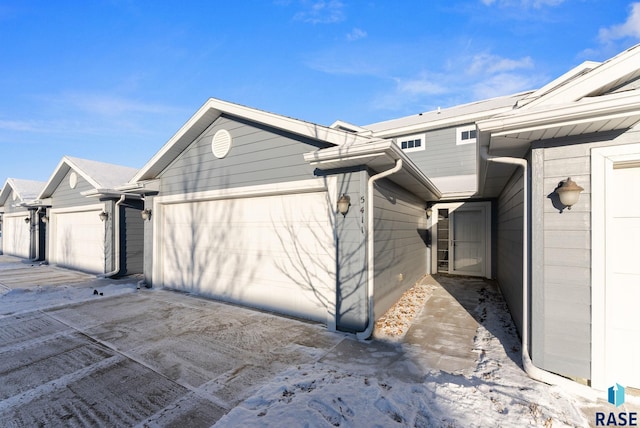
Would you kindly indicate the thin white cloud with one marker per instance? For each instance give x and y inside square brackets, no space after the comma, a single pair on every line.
[109,105]
[491,64]
[535,4]
[322,12]
[630,28]
[503,84]
[422,85]
[356,34]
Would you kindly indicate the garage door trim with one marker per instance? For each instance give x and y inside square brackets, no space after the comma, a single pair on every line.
[52,230]
[328,185]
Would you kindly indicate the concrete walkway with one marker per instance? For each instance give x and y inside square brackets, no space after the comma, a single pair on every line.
[133,356]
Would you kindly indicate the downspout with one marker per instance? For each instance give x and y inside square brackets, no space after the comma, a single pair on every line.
[36,233]
[533,371]
[370,256]
[116,239]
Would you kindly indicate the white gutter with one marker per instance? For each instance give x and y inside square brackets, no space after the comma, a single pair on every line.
[370,256]
[116,239]
[532,371]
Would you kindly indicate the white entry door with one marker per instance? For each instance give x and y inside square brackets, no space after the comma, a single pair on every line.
[462,237]
[622,289]
[467,241]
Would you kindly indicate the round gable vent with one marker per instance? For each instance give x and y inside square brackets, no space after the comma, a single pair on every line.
[73,180]
[221,143]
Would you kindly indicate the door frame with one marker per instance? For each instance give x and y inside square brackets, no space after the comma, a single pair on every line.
[460,206]
[602,161]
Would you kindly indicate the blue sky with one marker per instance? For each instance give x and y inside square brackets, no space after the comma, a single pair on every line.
[113,80]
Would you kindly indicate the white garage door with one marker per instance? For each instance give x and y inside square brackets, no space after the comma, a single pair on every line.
[271,252]
[77,240]
[15,235]
[623,275]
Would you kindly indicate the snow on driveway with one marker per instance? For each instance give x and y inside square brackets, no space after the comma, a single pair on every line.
[157,358]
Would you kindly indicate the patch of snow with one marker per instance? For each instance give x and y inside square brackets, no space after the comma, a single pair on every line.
[22,300]
[496,392]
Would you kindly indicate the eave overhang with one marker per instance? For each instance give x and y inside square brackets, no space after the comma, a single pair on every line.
[512,134]
[378,156]
[213,109]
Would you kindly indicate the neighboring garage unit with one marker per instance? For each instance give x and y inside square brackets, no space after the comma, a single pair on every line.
[88,227]
[77,238]
[21,225]
[16,239]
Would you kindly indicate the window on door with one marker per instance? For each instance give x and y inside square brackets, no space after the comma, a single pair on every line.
[443,240]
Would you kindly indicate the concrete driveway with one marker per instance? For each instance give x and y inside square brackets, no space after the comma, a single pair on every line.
[136,356]
[80,351]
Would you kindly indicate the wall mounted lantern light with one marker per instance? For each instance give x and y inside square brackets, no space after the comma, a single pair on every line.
[343,204]
[569,192]
[429,212]
[103,216]
[27,220]
[145,214]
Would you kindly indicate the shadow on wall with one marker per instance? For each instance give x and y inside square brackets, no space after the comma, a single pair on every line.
[199,251]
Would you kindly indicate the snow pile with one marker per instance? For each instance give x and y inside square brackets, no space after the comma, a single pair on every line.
[496,392]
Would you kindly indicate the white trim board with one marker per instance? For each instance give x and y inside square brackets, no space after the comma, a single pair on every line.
[602,160]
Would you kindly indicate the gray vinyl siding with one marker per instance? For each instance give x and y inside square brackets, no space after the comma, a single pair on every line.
[132,242]
[148,243]
[442,157]
[351,298]
[258,155]
[400,225]
[510,208]
[561,254]
[8,205]
[64,196]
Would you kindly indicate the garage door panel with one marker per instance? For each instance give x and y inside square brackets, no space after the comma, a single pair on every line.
[243,250]
[78,241]
[15,235]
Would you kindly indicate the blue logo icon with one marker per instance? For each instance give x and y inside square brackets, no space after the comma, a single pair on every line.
[616,395]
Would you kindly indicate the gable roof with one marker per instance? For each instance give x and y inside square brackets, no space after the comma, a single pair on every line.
[440,118]
[591,79]
[213,109]
[592,98]
[26,190]
[99,175]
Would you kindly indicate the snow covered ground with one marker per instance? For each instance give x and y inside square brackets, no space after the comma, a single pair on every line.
[496,392]
[334,381]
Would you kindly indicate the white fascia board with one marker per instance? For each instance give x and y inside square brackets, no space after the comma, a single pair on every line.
[218,107]
[614,105]
[557,83]
[605,73]
[355,128]
[444,123]
[360,151]
[109,193]
[296,126]
[59,173]
[140,187]
[37,203]
[331,158]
